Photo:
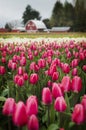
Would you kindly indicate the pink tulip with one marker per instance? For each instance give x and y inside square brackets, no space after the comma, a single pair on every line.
[78,114]
[76,84]
[14,66]
[84,68]
[66,68]
[20,81]
[19,115]
[33,123]
[3,60]
[74,72]
[83,102]
[16,78]
[60,104]
[52,69]
[56,90]
[9,106]
[41,63]
[20,70]
[46,96]
[81,56]
[25,76]
[66,84]
[31,106]
[55,76]
[74,63]
[2,70]
[23,61]
[33,78]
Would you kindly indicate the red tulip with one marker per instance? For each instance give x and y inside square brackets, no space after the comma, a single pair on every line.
[76,84]
[32,106]
[56,90]
[46,96]
[78,114]
[60,104]
[19,115]
[33,78]
[66,84]
[9,106]
[33,123]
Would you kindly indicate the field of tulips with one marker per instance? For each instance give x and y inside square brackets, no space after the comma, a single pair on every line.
[43,84]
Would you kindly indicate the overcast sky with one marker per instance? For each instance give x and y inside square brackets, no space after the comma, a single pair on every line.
[13,9]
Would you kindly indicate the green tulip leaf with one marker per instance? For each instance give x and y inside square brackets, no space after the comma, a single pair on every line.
[53,127]
[2,99]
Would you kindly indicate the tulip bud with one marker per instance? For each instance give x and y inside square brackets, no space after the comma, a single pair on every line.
[33,78]
[60,104]
[78,114]
[33,123]
[19,115]
[76,84]
[9,106]
[56,90]
[46,96]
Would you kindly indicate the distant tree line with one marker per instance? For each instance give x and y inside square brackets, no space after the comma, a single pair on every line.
[67,14]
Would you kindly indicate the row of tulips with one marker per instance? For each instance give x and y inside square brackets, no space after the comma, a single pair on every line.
[43,85]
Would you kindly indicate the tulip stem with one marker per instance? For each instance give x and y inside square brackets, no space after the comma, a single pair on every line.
[48,114]
[9,124]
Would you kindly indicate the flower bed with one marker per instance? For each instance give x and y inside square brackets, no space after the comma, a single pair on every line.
[42,84]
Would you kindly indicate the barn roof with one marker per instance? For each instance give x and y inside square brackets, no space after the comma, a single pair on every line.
[39,24]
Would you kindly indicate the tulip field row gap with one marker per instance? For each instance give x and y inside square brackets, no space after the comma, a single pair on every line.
[43,85]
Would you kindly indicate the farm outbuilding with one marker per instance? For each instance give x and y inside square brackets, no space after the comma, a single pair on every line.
[34,26]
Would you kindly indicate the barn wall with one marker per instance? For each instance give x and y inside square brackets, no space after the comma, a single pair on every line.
[30,26]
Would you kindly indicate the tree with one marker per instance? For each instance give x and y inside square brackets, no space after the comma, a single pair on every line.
[69,14]
[30,13]
[47,22]
[80,15]
[57,14]
[8,27]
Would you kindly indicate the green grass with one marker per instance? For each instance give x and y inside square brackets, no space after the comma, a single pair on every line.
[43,34]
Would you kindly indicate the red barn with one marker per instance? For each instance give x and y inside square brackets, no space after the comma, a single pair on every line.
[3,30]
[35,25]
